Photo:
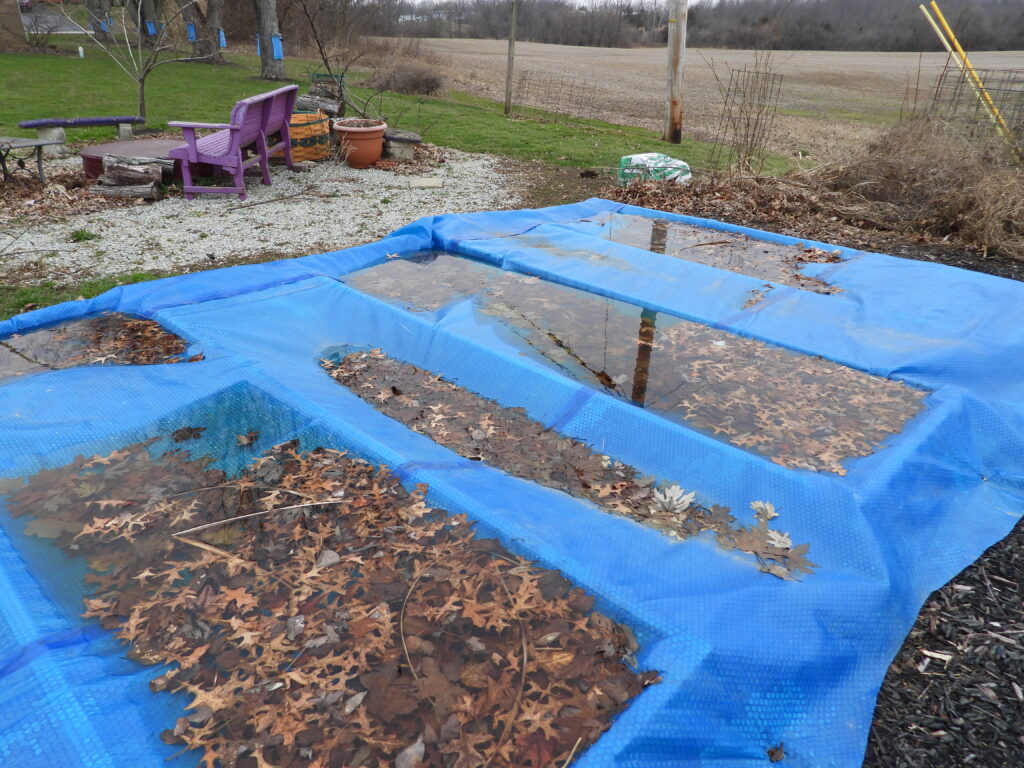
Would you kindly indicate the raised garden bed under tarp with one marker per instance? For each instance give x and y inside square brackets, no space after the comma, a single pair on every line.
[587,484]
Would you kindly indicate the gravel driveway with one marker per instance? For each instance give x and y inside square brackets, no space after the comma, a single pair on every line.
[329,207]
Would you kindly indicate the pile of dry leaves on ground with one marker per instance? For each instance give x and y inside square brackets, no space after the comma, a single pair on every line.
[790,205]
[803,412]
[25,200]
[427,157]
[108,339]
[924,189]
[511,441]
[321,615]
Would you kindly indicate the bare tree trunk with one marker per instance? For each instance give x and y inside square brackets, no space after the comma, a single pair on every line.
[266,23]
[208,42]
[142,95]
[206,46]
[150,13]
[99,15]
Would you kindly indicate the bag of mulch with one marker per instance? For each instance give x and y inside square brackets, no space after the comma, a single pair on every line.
[652,166]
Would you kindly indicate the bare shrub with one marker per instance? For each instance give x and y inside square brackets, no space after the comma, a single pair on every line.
[406,77]
[927,176]
[381,51]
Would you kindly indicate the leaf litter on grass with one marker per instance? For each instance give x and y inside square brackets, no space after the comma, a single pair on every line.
[508,439]
[801,411]
[319,614]
[108,339]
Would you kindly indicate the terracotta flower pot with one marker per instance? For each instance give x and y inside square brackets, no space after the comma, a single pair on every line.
[361,140]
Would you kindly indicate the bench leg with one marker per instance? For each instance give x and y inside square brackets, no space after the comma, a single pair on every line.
[186,180]
[125,132]
[39,163]
[263,155]
[239,177]
[52,134]
[286,138]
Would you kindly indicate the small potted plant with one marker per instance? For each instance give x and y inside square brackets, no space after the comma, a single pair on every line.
[362,140]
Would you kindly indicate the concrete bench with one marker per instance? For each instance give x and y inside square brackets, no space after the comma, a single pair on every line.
[52,128]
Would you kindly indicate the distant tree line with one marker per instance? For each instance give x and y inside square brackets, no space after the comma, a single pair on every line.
[608,23]
[853,25]
[861,25]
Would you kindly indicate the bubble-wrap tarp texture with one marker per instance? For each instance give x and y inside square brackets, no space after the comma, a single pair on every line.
[748,661]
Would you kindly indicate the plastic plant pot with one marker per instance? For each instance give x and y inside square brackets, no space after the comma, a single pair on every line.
[361,140]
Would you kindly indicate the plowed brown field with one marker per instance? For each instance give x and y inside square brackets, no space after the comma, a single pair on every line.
[830,102]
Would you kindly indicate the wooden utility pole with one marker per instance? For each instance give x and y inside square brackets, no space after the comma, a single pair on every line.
[511,55]
[676,49]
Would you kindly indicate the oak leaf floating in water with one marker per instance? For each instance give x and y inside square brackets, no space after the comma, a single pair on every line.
[187,433]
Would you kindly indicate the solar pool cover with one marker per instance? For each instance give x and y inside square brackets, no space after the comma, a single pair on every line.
[752,457]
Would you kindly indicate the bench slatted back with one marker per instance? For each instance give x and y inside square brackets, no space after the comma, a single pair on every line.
[266,113]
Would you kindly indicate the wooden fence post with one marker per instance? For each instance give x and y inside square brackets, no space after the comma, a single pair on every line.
[511,55]
[676,50]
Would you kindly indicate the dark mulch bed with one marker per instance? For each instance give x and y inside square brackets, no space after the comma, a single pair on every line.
[954,696]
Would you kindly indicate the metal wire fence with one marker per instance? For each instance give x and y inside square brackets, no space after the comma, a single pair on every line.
[555,98]
[957,99]
[750,103]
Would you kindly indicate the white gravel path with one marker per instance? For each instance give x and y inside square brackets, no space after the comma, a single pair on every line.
[329,207]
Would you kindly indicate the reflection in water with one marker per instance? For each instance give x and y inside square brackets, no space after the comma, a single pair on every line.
[801,411]
[724,250]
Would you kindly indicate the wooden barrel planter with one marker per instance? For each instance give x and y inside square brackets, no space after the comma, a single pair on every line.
[362,140]
[311,136]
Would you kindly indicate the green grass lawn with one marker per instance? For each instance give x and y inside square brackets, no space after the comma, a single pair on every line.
[42,85]
[20,298]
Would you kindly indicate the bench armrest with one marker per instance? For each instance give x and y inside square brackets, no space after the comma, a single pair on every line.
[201,126]
[188,132]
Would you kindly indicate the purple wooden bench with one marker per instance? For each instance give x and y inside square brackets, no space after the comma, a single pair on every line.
[254,122]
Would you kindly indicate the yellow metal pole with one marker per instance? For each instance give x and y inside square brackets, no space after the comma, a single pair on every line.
[985,97]
[960,64]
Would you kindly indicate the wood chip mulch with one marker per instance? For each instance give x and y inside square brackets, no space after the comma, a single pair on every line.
[322,616]
[954,696]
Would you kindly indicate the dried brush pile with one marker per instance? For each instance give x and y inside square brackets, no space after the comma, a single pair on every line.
[924,181]
[927,176]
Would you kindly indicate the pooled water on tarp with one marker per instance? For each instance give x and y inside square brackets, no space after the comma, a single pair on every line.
[483,430]
[317,612]
[801,411]
[779,263]
[109,339]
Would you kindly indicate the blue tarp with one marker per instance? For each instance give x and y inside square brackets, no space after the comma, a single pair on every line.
[748,661]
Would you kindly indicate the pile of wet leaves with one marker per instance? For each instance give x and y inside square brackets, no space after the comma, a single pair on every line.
[108,339]
[508,439]
[321,615]
[782,264]
[803,412]
[954,696]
